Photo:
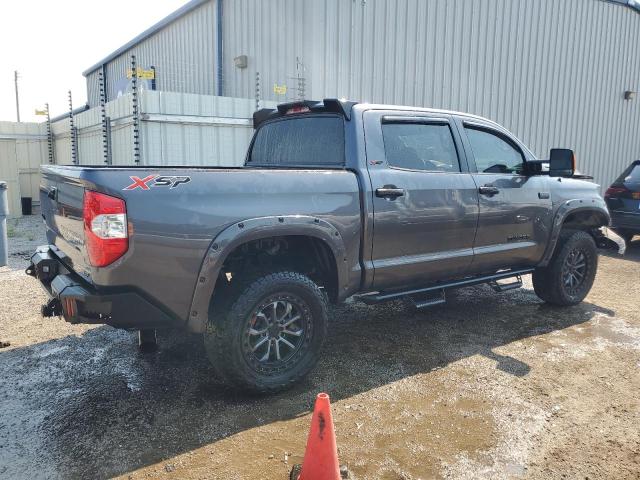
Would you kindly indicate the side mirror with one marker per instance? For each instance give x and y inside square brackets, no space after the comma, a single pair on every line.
[562,162]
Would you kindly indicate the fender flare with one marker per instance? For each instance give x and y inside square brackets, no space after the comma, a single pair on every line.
[569,207]
[254,229]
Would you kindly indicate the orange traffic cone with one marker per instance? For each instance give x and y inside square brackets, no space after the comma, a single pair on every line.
[321,456]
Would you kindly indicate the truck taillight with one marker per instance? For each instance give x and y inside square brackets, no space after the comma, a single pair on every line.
[105,228]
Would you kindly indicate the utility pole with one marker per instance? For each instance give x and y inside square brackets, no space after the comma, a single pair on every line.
[15,79]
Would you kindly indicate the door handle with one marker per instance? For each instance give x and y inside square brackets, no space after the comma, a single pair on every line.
[389,191]
[488,190]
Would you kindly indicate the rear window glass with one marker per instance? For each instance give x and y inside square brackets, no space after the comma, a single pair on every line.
[630,175]
[302,141]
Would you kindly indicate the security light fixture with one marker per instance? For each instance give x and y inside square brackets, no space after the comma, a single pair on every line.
[240,61]
[629,95]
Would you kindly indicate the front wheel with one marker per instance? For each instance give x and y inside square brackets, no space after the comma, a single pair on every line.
[570,274]
[271,335]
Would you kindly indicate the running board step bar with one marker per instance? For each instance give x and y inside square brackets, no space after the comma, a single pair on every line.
[503,287]
[432,301]
[379,297]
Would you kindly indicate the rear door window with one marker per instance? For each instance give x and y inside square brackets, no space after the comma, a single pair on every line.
[420,146]
[300,141]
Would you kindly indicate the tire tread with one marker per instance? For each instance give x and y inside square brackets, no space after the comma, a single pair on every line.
[232,309]
[547,280]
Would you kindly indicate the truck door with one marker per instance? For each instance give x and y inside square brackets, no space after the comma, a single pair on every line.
[515,209]
[425,202]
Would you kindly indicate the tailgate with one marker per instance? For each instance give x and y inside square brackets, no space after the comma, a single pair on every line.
[61,200]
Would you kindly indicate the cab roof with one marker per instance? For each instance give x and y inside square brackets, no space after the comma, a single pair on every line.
[345,108]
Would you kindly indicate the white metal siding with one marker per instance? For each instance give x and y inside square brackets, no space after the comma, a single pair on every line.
[62,144]
[30,154]
[272,34]
[183,54]
[175,129]
[183,137]
[9,174]
[23,150]
[89,137]
[553,72]
[93,88]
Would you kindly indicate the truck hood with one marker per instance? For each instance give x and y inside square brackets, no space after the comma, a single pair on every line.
[563,189]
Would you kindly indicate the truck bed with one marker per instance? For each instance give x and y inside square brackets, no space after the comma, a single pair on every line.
[175,213]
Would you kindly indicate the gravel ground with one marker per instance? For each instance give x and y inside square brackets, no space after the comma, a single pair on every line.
[488,386]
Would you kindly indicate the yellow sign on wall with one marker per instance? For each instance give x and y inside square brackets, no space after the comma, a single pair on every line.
[41,112]
[142,74]
[279,89]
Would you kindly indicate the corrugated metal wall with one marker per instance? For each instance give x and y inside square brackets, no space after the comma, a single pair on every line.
[31,152]
[551,71]
[175,129]
[273,34]
[23,148]
[9,174]
[89,135]
[93,88]
[185,129]
[183,54]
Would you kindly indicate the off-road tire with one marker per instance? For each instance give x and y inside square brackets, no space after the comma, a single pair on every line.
[548,281]
[225,340]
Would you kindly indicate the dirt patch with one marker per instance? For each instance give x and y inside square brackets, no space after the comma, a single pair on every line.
[487,386]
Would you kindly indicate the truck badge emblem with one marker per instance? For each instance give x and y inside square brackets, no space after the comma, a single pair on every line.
[158,181]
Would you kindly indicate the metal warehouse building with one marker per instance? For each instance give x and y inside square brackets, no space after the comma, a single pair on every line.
[555,72]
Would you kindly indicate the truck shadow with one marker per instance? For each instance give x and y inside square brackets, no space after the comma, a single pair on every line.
[97,408]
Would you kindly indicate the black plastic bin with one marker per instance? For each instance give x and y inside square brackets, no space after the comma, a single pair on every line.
[27,205]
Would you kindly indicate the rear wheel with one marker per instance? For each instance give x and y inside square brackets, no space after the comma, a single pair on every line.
[570,274]
[271,334]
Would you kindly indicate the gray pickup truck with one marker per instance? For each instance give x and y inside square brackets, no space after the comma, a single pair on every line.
[335,199]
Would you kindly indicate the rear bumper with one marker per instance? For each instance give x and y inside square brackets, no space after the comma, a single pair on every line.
[625,220]
[80,302]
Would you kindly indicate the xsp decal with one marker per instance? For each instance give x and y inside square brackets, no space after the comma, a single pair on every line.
[157,181]
[140,182]
[171,182]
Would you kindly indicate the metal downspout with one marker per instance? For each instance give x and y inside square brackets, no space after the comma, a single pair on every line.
[219,58]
